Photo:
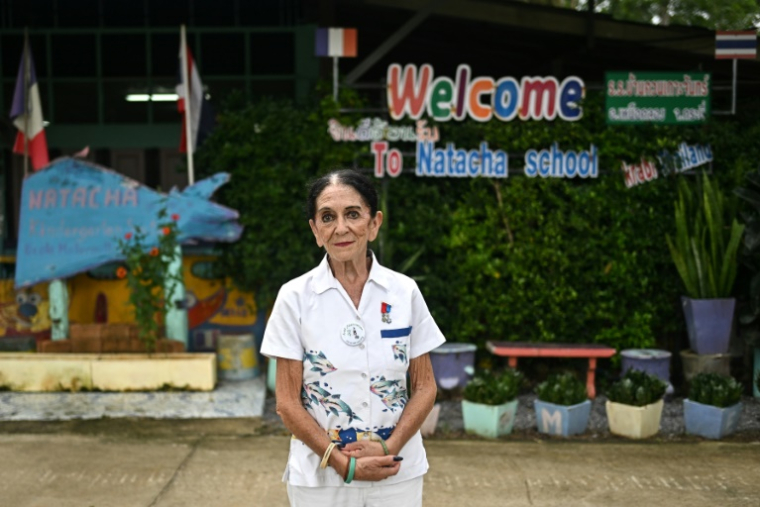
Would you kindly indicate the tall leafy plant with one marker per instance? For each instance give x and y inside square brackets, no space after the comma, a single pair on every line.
[705,246]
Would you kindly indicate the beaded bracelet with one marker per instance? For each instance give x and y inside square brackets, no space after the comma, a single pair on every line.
[351,470]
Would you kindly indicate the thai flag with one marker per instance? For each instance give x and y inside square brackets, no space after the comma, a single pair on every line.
[26,113]
[736,45]
[201,113]
[336,42]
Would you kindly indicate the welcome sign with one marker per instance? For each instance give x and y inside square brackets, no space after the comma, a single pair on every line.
[415,92]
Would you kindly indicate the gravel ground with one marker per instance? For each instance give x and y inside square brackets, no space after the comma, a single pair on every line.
[450,423]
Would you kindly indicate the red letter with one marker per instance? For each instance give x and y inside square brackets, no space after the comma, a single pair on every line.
[539,98]
[378,149]
[395,163]
[411,100]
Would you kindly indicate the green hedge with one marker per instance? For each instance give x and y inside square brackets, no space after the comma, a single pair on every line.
[551,260]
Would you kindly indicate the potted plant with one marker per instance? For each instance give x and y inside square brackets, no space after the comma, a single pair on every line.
[562,407]
[490,403]
[634,405]
[713,407]
[704,251]
[147,256]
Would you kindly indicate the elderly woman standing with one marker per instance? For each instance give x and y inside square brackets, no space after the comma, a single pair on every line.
[345,335]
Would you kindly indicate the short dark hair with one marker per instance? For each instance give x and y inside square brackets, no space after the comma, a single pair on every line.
[349,177]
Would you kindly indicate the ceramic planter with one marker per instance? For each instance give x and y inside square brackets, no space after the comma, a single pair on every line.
[562,420]
[708,323]
[634,422]
[694,364]
[453,364]
[652,361]
[489,421]
[709,421]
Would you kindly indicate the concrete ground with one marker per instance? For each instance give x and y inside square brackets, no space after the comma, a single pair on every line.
[239,461]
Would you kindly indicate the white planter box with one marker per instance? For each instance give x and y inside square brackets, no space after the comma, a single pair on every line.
[634,422]
[107,372]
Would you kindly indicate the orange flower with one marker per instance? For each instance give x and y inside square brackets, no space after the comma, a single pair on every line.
[154,251]
[121,272]
[175,217]
[166,230]
[128,235]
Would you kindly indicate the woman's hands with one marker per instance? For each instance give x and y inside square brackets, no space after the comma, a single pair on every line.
[363,448]
[374,468]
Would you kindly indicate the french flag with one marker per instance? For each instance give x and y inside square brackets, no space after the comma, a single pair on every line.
[339,42]
[201,112]
[26,113]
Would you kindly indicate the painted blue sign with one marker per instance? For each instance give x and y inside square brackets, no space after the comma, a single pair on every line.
[73,213]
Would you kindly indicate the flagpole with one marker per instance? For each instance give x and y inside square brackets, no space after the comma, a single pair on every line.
[335,78]
[188,115]
[27,77]
[733,88]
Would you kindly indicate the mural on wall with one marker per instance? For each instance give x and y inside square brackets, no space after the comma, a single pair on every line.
[24,312]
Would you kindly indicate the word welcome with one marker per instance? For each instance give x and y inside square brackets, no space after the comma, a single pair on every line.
[687,157]
[442,162]
[413,91]
[555,163]
[636,174]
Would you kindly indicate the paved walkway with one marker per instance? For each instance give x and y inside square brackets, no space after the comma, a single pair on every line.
[230,463]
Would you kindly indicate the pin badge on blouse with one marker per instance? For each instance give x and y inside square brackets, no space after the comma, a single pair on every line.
[352,334]
[385,310]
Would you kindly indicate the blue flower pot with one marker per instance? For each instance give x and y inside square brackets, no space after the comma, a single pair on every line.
[709,421]
[489,421]
[709,323]
[563,420]
[453,364]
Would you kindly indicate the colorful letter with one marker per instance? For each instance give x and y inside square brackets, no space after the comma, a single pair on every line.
[407,95]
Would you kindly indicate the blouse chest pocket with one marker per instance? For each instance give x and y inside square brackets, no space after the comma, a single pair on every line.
[395,344]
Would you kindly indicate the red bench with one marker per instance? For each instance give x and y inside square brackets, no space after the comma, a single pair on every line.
[591,351]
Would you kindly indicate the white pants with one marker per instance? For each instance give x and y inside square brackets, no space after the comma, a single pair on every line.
[403,494]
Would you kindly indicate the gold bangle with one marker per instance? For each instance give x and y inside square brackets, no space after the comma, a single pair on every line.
[326,457]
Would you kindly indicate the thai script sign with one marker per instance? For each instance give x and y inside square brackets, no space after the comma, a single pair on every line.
[636,174]
[657,97]
[377,129]
[73,213]
[687,157]
[414,92]
[555,163]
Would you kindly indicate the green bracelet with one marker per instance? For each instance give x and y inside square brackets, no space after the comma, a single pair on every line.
[351,470]
[385,447]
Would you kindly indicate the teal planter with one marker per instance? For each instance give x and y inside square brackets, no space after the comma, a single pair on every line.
[489,421]
[562,420]
[709,421]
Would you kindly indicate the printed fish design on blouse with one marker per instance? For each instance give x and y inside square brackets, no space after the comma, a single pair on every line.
[395,399]
[382,387]
[335,405]
[320,362]
[399,352]
[315,393]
